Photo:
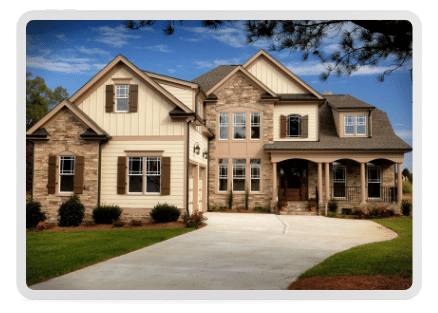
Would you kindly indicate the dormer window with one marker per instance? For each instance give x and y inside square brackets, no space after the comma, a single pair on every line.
[355,125]
[294,126]
[122,98]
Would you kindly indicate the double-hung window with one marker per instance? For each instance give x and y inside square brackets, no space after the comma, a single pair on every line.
[239,125]
[122,98]
[223,174]
[255,125]
[355,125]
[144,169]
[66,173]
[239,174]
[255,174]
[223,126]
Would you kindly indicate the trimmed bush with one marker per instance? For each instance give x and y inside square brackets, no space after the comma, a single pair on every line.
[214,208]
[223,208]
[332,214]
[71,212]
[106,214]
[261,209]
[333,206]
[194,220]
[164,213]
[247,200]
[136,223]
[406,206]
[118,224]
[34,214]
[230,200]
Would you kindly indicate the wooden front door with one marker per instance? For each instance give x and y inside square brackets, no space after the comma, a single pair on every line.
[293,181]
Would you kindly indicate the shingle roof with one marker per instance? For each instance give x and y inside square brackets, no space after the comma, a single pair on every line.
[211,78]
[297,96]
[383,136]
[347,102]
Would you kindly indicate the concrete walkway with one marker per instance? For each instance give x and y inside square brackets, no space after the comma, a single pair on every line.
[234,252]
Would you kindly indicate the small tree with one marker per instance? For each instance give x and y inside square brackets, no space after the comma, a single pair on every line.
[71,212]
[230,200]
[247,200]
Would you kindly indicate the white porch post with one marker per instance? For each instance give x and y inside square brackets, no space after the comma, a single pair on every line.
[399,184]
[327,185]
[320,201]
[363,197]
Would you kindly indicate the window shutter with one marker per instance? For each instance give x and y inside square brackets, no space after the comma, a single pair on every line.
[52,174]
[79,175]
[133,98]
[109,101]
[165,176]
[121,175]
[283,126]
[305,126]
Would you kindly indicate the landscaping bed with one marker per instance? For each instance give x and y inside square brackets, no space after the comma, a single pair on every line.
[241,211]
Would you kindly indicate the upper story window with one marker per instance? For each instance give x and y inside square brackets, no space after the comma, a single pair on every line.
[239,125]
[355,125]
[223,126]
[255,125]
[66,173]
[122,98]
[294,126]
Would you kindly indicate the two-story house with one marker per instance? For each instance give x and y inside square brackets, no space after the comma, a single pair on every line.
[135,138]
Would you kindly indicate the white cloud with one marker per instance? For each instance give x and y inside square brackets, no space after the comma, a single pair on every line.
[404,134]
[171,70]
[91,50]
[210,64]
[159,48]
[57,65]
[61,37]
[233,36]
[116,37]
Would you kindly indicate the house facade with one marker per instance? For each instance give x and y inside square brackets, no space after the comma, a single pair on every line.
[135,138]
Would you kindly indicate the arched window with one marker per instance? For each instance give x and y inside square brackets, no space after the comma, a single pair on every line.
[294,126]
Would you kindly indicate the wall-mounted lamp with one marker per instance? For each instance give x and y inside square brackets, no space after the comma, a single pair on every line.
[205,154]
[196,148]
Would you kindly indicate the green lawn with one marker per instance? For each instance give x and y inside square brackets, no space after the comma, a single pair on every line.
[50,254]
[392,257]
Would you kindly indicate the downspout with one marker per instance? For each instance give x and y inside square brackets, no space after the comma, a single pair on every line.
[99,173]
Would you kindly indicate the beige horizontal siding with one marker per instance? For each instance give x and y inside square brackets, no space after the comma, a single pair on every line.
[151,119]
[197,137]
[112,150]
[184,95]
[303,109]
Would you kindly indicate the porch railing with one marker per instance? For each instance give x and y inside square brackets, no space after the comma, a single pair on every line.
[352,194]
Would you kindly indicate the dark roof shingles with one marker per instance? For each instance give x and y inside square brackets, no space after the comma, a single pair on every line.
[211,78]
[347,102]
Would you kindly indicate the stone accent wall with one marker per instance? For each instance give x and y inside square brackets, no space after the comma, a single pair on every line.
[65,136]
[240,91]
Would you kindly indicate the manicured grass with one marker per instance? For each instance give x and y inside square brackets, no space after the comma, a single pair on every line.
[50,254]
[392,257]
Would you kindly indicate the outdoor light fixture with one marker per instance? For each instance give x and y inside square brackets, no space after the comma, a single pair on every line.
[205,154]
[196,148]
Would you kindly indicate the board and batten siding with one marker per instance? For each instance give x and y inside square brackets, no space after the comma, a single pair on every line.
[152,116]
[197,137]
[114,149]
[274,78]
[311,110]
[183,95]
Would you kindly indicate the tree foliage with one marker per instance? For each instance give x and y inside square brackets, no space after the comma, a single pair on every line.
[358,43]
[407,174]
[40,99]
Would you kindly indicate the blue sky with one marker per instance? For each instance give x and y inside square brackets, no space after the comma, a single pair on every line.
[69,53]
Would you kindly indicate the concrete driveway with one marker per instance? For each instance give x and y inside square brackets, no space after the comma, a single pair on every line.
[234,252]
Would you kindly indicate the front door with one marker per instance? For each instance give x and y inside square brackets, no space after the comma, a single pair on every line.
[293,181]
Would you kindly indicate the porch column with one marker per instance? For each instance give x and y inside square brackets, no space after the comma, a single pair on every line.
[327,185]
[399,184]
[320,201]
[274,182]
[363,197]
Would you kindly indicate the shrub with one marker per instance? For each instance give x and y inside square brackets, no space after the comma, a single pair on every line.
[379,211]
[344,216]
[118,224]
[230,200]
[136,223]
[359,212]
[106,214]
[247,200]
[260,209]
[28,199]
[406,207]
[407,187]
[34,214]
[223,208]
[214,208]
[42,225]
[333,206]
[312,204]
[164,213]
[71,212]
[194,220]
[332,214]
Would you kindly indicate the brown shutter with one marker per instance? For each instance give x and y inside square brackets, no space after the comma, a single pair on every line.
[165,176]
[52,174]
[109,101]
[121,175]
[133,98]
[79,175]
[283,126]
[305,126]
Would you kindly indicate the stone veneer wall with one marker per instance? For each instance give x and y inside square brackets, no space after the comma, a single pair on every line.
[239,91]
[65,136]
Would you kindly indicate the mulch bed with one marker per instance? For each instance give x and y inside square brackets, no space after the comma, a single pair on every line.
[376,282]
[240,211]
[52,227]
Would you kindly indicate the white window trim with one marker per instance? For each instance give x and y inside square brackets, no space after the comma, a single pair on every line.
[145,174]
[288,135]
[255,177]
[239,125]
[226,125]
[355,124]
[126,97]
[72,173]
[142,175]
[344,180]
[235,166]
[364,123]
[259,125]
